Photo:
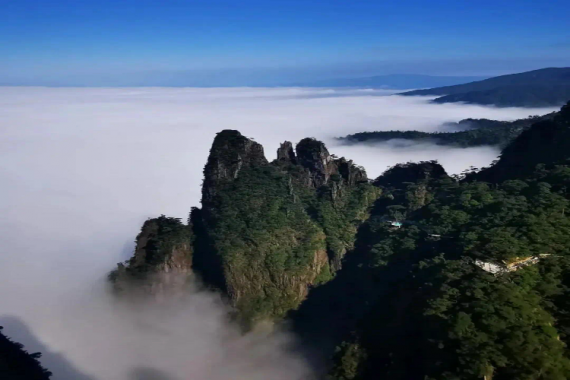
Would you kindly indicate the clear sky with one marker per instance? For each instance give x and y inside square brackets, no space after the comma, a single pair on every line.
[106,40]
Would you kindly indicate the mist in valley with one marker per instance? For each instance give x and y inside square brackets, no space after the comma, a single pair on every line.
[81,169]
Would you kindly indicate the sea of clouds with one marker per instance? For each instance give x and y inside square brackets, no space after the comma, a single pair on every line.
[82,168]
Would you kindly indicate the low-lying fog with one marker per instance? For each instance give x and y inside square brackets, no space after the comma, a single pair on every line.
[81,169]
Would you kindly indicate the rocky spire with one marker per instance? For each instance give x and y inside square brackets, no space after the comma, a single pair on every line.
[231,151]
[314,156]
[286,153]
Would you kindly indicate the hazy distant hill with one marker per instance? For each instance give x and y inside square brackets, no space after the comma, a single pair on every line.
[395,81]
[538,88]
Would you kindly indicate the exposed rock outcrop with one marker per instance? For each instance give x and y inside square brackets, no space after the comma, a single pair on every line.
[351,173]
[231,152]
[324,169]
[314,156]
[162,260]
[286,153]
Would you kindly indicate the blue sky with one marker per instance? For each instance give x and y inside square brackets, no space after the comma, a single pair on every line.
[106,40]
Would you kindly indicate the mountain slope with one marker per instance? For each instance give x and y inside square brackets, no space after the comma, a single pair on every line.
[546,143]
[538,88]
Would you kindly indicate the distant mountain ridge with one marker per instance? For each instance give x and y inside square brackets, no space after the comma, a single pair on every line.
[539,88]
[467,133]
[395,81]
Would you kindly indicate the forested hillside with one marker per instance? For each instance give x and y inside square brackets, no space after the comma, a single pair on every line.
[473,284]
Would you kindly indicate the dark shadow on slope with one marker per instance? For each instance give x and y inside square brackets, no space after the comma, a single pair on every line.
[331,311]
[58,364]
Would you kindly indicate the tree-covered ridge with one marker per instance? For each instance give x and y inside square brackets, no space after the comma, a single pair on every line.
[538,88]
[17,364]
[546,143]
[514,96]
[427,311]
[478,132]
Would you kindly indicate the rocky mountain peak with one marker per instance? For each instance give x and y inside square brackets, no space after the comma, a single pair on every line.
[314,156]
[230,152]
[162,259]
[286,153]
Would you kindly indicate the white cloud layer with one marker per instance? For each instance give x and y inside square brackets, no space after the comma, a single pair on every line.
[81,169]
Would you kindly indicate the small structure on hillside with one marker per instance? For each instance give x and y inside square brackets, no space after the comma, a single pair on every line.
[434,237]
[504,267]
[490,267]
[395,224]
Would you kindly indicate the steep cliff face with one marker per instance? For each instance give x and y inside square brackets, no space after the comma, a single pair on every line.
[335,192]
[260,245]
[230,153]
[314,156]
[162,260]
[322,167]
[285,153]
[269,231]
